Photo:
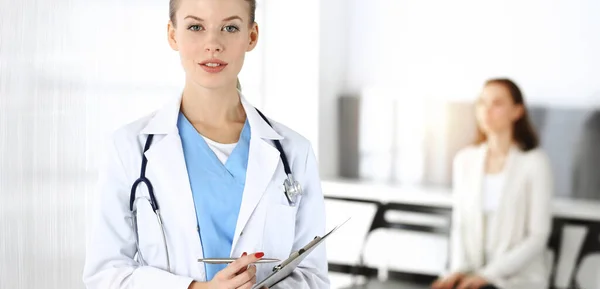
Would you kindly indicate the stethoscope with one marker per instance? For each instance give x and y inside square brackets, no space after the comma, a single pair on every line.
[292,190]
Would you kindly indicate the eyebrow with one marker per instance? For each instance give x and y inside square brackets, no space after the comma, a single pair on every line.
[226,19]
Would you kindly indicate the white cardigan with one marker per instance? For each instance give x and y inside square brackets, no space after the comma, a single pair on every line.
[522,223]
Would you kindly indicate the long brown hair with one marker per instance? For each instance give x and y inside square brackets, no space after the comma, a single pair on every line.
[523,132]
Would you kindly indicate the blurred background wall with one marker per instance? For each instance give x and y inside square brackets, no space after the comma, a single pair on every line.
[432,57]
[383,89]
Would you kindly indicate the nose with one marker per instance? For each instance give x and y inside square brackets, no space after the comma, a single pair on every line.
[213,44]
[212,48]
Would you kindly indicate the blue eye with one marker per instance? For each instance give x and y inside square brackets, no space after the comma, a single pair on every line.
[195,28]
[231,28]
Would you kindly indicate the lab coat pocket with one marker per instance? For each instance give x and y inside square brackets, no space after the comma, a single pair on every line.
[151,244]
[279,232]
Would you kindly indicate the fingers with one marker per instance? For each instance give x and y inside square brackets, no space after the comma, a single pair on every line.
[452,284]
[446,283]
[479,283]
[241,263]
[243,269]
[244,277]
[455,281]
[465,284]
[249,284]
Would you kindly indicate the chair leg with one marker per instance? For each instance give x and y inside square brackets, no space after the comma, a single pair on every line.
[554,244]
[590,245]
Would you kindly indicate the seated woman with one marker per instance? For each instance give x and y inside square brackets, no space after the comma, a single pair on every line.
[502,187]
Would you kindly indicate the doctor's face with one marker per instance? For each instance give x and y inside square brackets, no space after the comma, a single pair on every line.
[212,37]
[495,110]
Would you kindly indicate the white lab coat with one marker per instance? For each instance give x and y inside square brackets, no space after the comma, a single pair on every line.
[266,222]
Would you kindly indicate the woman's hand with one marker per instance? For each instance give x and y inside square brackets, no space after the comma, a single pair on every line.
[240,274]
[448,282]
[472,282]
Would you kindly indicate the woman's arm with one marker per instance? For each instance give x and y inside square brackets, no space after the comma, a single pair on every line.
[310,222]
[538,226]
[109,260]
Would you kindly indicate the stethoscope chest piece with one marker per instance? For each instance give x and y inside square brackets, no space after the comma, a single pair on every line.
[292,189]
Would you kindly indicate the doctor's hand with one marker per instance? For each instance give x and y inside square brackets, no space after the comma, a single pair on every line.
[240,274]
[449,282]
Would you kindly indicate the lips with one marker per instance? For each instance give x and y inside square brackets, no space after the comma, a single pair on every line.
[213,65]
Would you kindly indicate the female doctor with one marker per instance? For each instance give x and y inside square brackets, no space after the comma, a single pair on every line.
[207,176]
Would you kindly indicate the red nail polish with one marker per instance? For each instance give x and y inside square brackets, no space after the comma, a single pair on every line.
[244,254]
[259,254]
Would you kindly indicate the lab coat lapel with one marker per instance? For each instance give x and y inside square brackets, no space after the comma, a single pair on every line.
[165,156]
[263,159]
[262,164]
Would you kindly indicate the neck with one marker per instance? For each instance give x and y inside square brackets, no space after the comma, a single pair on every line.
[499,143]
[211,106]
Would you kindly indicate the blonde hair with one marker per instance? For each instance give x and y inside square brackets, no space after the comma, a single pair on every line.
[174,5]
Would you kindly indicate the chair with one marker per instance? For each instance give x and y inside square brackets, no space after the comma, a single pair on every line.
[398,279]
[404,280]
[554,243]
[591,245]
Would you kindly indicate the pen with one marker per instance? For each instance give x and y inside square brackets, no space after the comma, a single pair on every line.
[230,260]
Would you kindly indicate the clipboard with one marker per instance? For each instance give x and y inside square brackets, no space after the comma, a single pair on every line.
[286,267]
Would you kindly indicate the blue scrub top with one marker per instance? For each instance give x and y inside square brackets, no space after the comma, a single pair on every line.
[217,190]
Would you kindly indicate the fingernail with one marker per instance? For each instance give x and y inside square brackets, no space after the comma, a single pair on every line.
[259,254]
[244,254]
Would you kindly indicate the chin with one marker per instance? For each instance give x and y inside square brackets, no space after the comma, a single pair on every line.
[487,130]
[212,83]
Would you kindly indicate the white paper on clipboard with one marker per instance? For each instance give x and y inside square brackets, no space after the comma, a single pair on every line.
[286,267]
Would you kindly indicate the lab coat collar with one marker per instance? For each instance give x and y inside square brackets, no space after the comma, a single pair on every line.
[164,121]
[257,124]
